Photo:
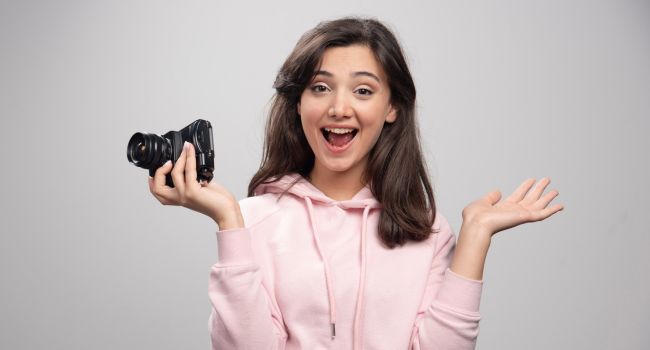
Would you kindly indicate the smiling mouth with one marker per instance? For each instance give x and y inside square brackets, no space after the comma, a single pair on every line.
[339,137]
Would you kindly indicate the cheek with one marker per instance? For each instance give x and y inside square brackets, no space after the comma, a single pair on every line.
[375,136]
[307,113]
[315,106]
[309,127]
[311,109]
[373,126]
[372,117]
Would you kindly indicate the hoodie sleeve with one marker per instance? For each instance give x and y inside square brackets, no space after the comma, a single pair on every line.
[448,317]
[243,315]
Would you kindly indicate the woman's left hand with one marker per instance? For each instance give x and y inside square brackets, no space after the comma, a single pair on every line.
[524,205]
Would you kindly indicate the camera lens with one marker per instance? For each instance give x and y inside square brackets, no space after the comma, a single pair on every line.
[148,151]
[139,153]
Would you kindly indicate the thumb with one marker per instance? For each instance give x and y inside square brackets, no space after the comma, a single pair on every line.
[493,197]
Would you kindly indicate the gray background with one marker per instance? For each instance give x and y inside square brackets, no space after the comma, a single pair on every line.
[506,90]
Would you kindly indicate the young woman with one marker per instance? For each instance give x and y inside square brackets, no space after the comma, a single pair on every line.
[340,245]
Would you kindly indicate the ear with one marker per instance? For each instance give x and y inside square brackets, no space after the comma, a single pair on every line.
[392,114]
[298,108]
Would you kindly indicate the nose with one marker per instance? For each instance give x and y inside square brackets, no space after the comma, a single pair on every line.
[341,107]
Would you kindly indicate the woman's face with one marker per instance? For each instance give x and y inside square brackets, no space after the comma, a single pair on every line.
[344,108]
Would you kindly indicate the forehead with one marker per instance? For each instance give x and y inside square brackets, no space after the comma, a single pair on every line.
[348,59]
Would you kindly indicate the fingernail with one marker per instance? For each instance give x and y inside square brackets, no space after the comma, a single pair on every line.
[167,162]
[186,145]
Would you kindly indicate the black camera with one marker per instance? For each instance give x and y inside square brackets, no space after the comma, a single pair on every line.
[150,151]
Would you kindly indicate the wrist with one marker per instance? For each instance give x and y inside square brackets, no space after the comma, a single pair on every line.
[475,232]
[230,220]
[473,238]
[471,251]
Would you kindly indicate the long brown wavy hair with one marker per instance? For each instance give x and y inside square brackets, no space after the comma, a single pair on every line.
[396,170]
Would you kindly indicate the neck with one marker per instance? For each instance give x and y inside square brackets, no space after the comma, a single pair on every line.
[338,185]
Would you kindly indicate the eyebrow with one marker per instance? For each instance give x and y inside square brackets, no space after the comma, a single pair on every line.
[354,74]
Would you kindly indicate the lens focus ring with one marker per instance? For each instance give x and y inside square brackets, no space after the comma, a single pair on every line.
[148,151]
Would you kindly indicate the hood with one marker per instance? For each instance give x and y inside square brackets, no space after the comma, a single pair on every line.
[299,186]
[364,199]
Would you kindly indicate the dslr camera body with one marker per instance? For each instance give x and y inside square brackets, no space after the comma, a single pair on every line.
[151,151]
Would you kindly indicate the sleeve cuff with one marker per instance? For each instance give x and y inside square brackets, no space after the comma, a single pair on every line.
[460,293]
[234,247]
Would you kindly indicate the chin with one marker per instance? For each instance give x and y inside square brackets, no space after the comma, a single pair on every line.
[339,165]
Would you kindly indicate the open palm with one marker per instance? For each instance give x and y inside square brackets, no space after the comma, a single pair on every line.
[525,204]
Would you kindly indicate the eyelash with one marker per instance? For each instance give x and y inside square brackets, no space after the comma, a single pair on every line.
[369,92]
[316,88]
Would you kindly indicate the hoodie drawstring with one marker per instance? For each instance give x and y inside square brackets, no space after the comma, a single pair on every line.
[362,282]
[328,280]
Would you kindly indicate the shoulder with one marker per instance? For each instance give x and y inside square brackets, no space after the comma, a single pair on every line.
[257,208]
[264,206]
[442,232]
[440,223]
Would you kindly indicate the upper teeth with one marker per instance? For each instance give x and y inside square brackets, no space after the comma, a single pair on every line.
[339,130]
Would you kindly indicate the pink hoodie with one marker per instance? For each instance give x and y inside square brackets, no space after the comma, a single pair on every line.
[309,272]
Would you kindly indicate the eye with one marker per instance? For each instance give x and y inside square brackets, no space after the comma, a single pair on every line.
[319,88]
[364,91]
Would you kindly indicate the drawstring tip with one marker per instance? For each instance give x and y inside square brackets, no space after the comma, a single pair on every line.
[333,330]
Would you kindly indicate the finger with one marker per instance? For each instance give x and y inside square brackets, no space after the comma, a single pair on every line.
[190,168]
[537,191]
[546,199]
[164,194]
[542,214]
[520,192]
[159,175]
[178,173]
[492,197]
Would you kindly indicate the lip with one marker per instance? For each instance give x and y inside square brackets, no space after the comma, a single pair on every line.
[333,126]
[333,149]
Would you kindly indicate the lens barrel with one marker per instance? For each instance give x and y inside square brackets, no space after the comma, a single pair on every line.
[148,151]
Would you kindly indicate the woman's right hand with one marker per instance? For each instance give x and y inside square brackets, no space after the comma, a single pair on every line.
[210,198]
